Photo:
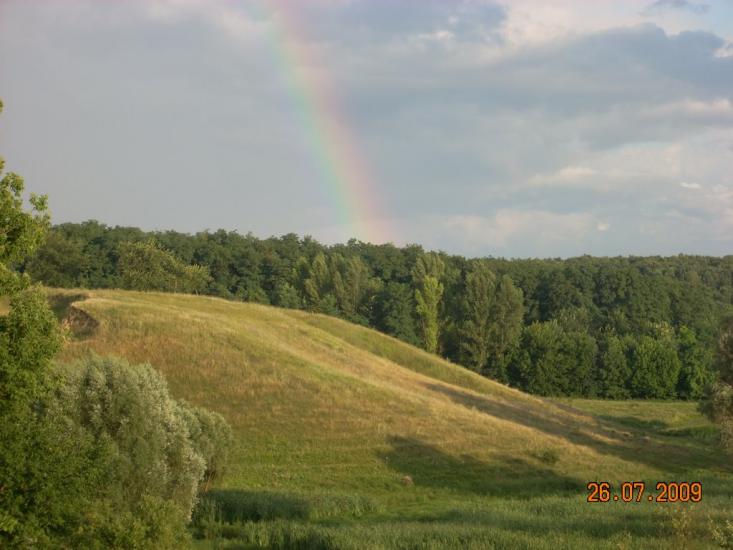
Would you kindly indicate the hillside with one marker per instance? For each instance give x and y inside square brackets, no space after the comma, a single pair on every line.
[323,407]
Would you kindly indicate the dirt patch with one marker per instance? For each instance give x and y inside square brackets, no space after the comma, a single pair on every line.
[79,323]
[61,303]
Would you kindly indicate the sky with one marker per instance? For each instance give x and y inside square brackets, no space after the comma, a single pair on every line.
[522,128]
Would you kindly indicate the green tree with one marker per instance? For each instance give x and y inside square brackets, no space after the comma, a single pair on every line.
[507,314]
[147,434]
[718,401]
[656,368]
[395,306]
[287,296]
[428,293]
[540,367]
[59,262]
[151,454]
[31,484]
[696,365]
[147,266]
[315,283]
[580,350]
[479,324]
[613,369]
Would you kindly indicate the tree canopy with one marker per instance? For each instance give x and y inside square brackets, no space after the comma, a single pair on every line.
[475,312]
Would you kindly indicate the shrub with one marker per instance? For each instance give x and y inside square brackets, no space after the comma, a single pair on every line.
[722,533]
[211,436]
[128,409]
[150,454]
[548,456]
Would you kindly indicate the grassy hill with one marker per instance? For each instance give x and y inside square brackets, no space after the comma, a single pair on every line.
[346,437]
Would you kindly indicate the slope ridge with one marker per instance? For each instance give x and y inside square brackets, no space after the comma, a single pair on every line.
[317,402]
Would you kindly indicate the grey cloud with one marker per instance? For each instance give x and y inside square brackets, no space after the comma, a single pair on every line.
[694,7]
[170,123]
[367,19]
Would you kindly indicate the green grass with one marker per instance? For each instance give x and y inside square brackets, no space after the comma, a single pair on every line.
[667,418]
[346,438]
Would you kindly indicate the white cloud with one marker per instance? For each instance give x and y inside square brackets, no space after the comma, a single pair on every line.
[569,175]
[725,51]
[508,226]
[718,111]
[532,131]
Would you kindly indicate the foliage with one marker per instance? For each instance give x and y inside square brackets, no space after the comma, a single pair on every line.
[613,368]
[718,402]
[426,276]
[395,312]
[147,266]
[211,437]
[97,457]
[317,402]
[506,326]
[722,533]
[31,488]
[149,454]
[655,366]
[421,297]
[696,365]
[479,323]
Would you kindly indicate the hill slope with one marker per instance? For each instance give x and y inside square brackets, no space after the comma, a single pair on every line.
[318,404]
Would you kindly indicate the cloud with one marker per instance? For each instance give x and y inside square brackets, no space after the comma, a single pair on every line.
[693,7]
[519,126]
[508,226]
[569,175]
[688,185]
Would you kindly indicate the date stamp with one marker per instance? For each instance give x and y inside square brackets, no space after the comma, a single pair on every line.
[636,491]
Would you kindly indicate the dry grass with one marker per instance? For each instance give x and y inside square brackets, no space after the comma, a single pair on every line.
[320,404]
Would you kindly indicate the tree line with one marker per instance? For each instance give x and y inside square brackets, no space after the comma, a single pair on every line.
[621,327]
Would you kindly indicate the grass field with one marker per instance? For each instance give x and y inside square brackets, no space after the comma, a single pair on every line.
[346,438]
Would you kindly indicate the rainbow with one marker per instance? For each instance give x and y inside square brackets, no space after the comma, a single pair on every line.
[347,178]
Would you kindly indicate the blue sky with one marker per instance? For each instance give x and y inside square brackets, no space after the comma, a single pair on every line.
[522,128]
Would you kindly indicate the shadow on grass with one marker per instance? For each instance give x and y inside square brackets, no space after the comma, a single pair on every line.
[79,323]
[630,446]
[231,506]
[707,434]
[428,466]
[61,303]
[236,506]
[636,423]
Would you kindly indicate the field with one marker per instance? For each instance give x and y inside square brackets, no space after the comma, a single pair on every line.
[346,438]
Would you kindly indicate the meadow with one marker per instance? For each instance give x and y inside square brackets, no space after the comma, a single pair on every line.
[347,438]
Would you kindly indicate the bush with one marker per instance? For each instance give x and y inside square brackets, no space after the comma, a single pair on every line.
[722,533]
[211,436]
[148,266]
[150,454]
[128,409]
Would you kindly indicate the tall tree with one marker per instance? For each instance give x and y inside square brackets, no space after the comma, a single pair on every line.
[656,368]
[613,369]
[29,489]
[696,365]
[394,310]
[540,366]
[506,314]
[148,266]
[478,326]
[718,402]
[426,276]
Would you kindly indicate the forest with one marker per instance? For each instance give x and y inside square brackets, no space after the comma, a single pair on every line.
[641,327]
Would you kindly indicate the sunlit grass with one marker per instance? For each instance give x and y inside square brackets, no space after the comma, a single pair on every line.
[323,410]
